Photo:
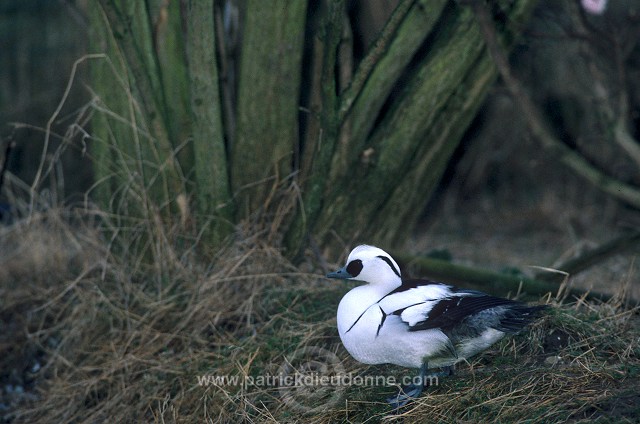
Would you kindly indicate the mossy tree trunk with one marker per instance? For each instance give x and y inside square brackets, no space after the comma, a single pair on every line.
[269,79]
[352,154]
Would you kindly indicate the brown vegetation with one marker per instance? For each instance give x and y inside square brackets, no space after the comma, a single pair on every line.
[92,335]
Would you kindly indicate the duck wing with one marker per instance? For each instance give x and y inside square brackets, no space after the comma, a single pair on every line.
[425,305]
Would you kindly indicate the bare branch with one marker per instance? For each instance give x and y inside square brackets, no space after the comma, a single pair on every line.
[538,124]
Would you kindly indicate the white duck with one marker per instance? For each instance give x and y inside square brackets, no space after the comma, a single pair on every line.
[418,323]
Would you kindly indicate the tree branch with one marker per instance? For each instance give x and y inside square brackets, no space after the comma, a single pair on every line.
[626,140]
[371,59]
[388,68]
[610,45]
[539,126]
[594,256]
[490,281]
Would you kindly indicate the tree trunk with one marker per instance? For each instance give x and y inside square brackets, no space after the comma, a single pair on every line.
[269,80]
[135,129]
[213,191]
[280,135]
[408,117]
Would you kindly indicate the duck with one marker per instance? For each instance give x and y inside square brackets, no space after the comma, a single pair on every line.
[418,323]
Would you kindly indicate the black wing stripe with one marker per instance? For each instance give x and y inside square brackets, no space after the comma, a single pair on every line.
[356,321]
[401,310]
[384,317]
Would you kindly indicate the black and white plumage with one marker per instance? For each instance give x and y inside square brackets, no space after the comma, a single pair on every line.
[418,323]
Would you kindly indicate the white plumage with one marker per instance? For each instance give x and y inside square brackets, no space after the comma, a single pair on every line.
[417,323]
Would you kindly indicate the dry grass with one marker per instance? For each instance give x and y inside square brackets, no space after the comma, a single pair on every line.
[91,335]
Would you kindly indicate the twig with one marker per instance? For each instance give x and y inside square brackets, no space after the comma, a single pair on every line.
[36,180]
[594,256]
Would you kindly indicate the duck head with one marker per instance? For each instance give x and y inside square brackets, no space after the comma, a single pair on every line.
[371,265]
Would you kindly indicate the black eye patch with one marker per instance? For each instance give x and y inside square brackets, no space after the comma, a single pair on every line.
[354,267]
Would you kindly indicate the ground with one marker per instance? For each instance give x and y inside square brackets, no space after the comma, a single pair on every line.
[91,336]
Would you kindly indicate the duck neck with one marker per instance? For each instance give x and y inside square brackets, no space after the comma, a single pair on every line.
[379,290]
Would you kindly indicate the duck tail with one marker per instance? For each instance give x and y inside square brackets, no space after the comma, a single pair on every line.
[516,317]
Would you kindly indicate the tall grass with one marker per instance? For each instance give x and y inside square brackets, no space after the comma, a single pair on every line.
[93,334]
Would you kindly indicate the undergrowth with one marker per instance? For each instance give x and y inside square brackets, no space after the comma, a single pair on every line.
[93,332]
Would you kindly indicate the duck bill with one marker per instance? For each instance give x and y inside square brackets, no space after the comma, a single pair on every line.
[340,274]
